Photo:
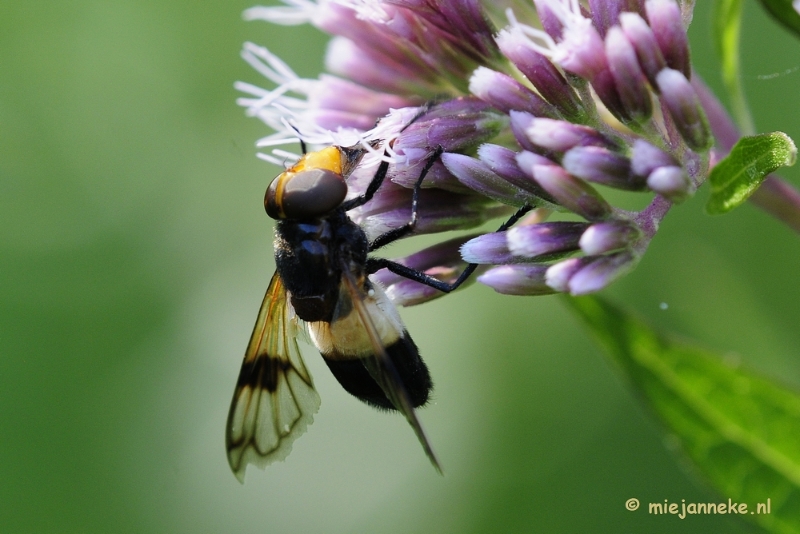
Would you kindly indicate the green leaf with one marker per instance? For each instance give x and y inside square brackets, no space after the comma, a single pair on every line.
[740,173]
[740,430]
[784,13]
[727,25]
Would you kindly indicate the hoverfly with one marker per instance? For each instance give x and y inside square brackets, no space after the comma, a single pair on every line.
[322,278]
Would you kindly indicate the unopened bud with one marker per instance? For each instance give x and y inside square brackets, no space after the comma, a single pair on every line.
[503,92]
[671,182]
[572,193]
[684,107]
[517,280]
[610,236]
[665,20]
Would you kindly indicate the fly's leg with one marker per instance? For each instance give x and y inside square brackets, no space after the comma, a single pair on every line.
[375,264]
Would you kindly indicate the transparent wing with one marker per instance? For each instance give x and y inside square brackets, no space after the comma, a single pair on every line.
[275,399]
[383,371]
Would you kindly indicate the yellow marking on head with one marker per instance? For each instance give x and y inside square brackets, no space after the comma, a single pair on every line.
[329,158]
[279,187]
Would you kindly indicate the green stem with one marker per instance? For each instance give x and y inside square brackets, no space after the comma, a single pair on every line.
[727,26]
[779,199]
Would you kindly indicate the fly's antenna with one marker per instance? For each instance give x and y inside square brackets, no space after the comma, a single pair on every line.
[303,147]
[423,110]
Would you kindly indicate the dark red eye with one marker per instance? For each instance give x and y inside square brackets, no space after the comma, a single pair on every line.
[307,194]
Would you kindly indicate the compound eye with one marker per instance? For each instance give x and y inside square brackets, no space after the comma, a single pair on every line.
[307,194]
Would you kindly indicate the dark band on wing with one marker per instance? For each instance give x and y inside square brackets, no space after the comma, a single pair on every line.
[274,400]
[263,373]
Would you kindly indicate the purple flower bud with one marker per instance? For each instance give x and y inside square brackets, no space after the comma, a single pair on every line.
[557,275]
[464,133]
[439,211]
[671,182]
[336,93]
[550,22]
[629,80]
[456,125]
[605,237]
[464,105]
[463,23]
[517,280]
[478,176]
[435,43]
[520,121]
[407,174]
[488,249]
[602,166]
[605,87]
[541,72]
[503,161]
[503,92]
[665,20]
[545,239]
[349,60]
[678,95]
[336,19]
[645,158]
[335,103]
[605,13]
[581,51]
[644,42]
[528,160]
[560,136]
[600,272]
[572,193]
[331,119]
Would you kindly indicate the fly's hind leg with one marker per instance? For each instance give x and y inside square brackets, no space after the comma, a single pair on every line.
[375,264]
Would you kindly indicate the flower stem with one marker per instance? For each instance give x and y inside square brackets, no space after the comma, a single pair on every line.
[778,198]
[649,218]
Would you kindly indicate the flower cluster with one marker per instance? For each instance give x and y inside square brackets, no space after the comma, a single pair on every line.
[542,114]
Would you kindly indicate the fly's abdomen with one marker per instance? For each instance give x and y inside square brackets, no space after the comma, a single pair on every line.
[349,349]
[404,355]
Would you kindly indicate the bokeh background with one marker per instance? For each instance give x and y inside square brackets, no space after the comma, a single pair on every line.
[134,252]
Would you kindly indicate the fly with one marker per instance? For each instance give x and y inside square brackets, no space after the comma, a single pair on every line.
[322,283]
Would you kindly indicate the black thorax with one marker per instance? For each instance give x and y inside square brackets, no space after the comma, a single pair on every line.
[309,255]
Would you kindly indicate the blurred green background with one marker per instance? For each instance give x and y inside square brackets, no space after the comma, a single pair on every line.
[134,253]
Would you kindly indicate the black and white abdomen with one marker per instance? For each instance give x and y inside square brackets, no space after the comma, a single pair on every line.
[345,344]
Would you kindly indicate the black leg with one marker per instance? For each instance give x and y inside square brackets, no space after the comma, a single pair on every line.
[396,233]
[380,174]
[373,186]
[375,264]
